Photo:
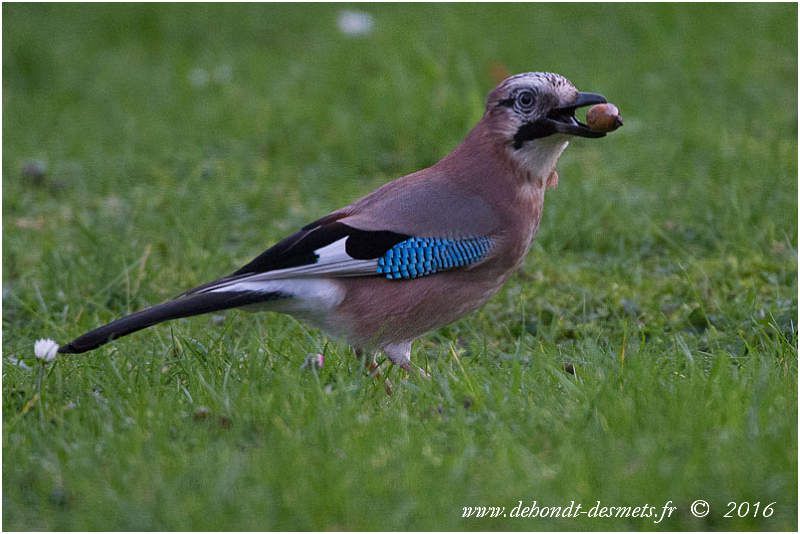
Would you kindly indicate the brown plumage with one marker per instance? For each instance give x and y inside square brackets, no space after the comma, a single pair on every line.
[490,188]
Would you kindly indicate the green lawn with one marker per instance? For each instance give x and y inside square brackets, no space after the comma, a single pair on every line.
[180,141]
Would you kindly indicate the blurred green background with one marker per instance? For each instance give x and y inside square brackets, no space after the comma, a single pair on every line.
[149,148]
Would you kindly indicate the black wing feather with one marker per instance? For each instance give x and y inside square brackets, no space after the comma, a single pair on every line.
[300,248]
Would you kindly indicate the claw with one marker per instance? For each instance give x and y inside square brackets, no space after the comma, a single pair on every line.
[374,369]
[408,367]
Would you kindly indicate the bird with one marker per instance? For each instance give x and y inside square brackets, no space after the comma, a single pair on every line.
[418,252]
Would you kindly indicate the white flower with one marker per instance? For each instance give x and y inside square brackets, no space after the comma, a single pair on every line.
[45,349]
[355,23]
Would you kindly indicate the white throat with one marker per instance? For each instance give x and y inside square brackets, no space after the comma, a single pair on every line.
[538,158]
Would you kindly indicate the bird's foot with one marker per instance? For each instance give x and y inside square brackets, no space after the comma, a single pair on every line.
[374,369]
[410,368]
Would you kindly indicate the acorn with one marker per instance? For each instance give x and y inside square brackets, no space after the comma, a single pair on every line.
[603,118]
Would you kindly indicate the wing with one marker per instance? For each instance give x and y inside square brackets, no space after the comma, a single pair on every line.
[326,246]
[331,248]
[415,226]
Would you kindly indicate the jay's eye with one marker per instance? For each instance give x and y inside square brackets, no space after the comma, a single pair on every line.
[525,100]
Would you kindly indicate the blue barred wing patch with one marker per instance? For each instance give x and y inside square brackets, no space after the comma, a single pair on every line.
[421,256]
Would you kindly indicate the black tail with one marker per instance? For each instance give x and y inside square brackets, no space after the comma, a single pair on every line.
[184,306]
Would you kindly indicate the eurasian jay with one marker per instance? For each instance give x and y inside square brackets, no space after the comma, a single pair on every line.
[418,252]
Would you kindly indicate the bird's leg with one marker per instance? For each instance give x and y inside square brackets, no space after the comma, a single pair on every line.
[400,354]
[370,362]
[374,368]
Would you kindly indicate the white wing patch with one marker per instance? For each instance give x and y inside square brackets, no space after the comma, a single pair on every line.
[307,283]
[333,260]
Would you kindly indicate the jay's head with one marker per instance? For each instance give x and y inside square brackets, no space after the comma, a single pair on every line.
[534,116]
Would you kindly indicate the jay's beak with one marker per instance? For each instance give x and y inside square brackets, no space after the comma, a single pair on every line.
[562,119]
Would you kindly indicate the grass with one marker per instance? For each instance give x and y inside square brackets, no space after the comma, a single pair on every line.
[180,141]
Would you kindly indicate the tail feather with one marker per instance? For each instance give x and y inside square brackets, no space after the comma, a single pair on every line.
[185,306]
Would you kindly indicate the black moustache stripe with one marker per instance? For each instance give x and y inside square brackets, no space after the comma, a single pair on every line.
[532,130]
